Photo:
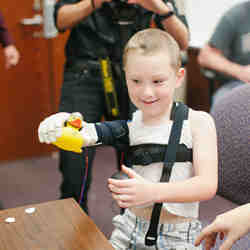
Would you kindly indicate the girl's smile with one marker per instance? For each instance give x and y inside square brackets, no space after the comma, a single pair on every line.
[151,81]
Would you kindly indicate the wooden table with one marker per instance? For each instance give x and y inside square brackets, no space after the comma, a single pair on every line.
[54,225]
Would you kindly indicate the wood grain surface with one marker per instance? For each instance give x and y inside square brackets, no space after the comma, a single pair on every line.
[54,225]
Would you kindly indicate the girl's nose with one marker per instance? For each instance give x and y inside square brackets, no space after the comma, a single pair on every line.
[147,91]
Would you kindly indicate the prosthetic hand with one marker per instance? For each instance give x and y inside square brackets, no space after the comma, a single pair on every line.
[67,131]
[71,139]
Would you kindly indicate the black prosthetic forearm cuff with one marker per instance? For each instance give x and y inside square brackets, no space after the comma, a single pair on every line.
[114,133]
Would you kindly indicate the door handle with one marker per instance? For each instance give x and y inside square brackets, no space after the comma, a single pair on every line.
[33,21]
[49,29]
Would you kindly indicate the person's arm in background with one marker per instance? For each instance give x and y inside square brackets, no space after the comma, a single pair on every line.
[11,53]
[212,58]
[175,25]
[68,13]
[215,55]
[233,225]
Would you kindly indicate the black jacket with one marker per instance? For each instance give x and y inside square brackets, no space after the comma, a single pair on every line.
[100,34]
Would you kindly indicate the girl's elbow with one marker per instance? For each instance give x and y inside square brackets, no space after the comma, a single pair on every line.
[211,191]
[212,194]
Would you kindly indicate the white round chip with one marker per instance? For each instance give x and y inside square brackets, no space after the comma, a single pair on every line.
[10,220]
[30,210]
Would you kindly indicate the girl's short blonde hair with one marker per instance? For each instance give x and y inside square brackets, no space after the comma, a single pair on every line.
[151,41]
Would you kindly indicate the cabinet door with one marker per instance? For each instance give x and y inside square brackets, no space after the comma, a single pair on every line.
[29,91]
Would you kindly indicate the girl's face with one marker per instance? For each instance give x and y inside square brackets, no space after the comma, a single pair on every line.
[151,82]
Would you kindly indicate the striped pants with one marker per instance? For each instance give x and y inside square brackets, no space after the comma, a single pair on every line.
[130,231]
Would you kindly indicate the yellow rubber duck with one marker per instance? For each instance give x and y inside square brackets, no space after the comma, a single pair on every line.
[71,139]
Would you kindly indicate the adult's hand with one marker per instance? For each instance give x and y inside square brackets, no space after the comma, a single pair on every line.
[233,225]
[11,56]
[244,74]
[156,6]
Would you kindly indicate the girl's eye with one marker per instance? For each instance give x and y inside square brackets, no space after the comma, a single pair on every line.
[135,80]
[158,81]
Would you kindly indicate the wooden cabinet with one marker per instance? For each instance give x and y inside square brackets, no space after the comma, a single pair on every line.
[197,84]
[30,91]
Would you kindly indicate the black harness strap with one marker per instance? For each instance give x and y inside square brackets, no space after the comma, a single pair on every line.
[145,154]
[180,114]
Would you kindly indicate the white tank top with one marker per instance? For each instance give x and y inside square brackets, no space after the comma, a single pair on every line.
[141,134]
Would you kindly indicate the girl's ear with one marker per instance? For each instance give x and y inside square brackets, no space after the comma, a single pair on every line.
[180,77]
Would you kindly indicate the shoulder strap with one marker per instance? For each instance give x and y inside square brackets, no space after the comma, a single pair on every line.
[180,113]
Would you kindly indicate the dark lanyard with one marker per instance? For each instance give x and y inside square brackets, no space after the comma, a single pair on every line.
[180,113]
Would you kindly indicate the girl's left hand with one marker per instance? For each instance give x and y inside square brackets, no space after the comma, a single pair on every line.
[132,192]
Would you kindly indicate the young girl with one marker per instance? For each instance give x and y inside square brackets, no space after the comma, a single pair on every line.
[152,67]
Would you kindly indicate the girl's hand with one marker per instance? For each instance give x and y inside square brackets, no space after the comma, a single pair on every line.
[133,191]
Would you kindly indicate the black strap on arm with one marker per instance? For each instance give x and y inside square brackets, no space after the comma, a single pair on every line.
[179,115]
